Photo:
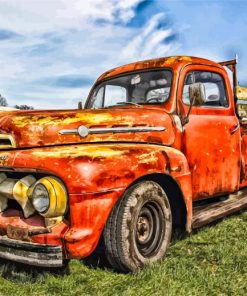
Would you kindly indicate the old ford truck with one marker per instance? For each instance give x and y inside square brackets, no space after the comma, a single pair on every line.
[159,144]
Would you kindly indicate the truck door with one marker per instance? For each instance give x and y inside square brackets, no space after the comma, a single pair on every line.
[211,138]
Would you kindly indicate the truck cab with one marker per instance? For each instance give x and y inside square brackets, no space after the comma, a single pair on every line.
[158,145]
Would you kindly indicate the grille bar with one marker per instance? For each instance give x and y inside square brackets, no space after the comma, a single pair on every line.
[7,141]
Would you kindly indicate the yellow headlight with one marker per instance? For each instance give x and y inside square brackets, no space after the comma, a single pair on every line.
[49,197]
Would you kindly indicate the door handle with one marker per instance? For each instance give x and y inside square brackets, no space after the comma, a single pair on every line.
[234,129]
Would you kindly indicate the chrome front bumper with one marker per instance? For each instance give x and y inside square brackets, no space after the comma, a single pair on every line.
[31,253]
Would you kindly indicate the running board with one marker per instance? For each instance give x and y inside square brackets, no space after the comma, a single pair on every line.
[208,213]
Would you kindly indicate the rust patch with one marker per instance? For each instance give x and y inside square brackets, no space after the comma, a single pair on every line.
[170,60]
[185,59]
[22,121]
[17,233]
[148,157]
[168,164]
[3,159]
[81,151]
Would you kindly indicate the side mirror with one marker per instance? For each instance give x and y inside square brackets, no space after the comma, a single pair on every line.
[197,95]
[80,105]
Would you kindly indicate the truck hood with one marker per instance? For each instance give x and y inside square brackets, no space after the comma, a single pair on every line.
[45,128]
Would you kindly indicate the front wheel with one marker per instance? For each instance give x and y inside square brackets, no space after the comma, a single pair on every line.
[139,228]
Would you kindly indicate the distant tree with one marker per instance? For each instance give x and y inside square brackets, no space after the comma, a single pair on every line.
[3,101]
[24,107]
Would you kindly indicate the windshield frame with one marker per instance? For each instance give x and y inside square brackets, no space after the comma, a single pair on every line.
[97,83]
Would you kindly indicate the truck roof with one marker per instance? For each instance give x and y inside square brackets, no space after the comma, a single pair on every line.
[174,62]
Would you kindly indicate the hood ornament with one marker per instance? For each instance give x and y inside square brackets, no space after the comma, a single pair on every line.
[83,131]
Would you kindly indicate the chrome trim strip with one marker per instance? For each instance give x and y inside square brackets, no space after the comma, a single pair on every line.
[69,132]
[83,131]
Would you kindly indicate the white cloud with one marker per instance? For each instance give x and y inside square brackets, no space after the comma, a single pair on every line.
[61,37]
[35,16]
[149,42]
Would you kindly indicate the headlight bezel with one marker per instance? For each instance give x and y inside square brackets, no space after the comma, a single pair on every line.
[58,196]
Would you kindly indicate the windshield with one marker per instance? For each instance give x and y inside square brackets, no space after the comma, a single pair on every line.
[150,87]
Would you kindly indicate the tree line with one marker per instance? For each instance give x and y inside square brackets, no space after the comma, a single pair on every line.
[4,103]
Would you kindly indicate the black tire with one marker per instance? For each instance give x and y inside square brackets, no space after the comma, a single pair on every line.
[138,230]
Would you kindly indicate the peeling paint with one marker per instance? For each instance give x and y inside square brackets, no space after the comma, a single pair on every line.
[22,121]
[80,151]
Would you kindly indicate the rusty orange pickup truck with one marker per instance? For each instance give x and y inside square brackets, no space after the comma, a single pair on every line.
[159,144]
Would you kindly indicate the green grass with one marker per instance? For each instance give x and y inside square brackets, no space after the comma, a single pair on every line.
[212,261]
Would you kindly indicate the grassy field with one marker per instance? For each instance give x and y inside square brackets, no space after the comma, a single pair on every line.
[212,261]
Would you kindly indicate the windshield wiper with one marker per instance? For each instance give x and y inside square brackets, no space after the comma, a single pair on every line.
[123,103]
[129,103]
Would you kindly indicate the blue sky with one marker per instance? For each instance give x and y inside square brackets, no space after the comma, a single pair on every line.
[51,51]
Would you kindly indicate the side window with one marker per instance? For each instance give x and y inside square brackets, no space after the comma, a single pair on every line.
[213,84]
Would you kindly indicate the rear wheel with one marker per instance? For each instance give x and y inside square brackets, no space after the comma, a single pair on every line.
[139,228]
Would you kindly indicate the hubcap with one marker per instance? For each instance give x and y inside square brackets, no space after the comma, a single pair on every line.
[143,229]
[150,228]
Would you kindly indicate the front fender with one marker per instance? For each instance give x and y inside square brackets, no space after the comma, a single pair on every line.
[96,175]
[91,168]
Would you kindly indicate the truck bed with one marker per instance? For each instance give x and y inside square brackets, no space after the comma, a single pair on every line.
[242,104]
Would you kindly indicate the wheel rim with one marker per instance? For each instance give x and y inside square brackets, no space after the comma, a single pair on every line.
[150,229]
